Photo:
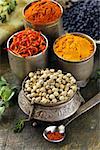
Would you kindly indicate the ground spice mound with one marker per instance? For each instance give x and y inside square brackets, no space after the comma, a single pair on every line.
[73,47]
[54,136]
[42,12]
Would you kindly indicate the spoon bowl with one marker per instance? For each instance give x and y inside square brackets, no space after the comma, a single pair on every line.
[52,129]
[61,129]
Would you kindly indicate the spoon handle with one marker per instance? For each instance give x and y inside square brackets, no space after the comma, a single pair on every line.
[85,107]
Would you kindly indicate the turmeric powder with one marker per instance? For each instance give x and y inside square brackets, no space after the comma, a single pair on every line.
[42,12]
[72,47]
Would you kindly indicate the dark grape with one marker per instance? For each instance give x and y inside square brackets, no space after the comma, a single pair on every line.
[83,16]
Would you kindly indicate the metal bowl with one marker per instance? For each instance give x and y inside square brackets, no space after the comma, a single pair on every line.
[53,29]
[81,70]
[49,113]
[22,66]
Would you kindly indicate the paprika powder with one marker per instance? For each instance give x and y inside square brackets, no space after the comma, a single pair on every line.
[42,12]
[54,135]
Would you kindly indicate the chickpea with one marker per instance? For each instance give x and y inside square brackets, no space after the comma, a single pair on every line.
[42,89]
[38,72]
[67,79]
[47,87]
[61,98]
[44,100]
[27,81]
[47,96]
[28,89]
[64,77]
[38,85]
[41,82]
[66,88]
[62,86]
[60,76]
[64,93]
[32,95]
[56,94]
[70,93]
[74,88]
[59,71]
[54,100]
[38,90]
[44,94]
[63,82]
[57,85]
[68,85]
[31,74]
[49,91]
[51,96]
[69,75]
[26,85]
[34,88]
[72,80]
[52,70]
[40,94]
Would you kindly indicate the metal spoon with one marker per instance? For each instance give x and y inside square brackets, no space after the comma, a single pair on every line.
[61,129]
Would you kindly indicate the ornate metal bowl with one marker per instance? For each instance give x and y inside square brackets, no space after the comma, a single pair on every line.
[54,113]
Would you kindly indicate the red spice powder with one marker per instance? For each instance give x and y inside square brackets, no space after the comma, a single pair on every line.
[42,12]
[54,135]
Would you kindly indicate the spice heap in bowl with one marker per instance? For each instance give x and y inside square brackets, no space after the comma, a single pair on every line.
[49,87]
[75,53]
[42,12]
[44,16]
[28,43]
[73,47]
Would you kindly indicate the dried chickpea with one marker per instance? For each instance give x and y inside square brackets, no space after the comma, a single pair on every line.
[61,98]
[70,93]
[31,74]
[56,94]
[54,100]
[28,89]
[51,96]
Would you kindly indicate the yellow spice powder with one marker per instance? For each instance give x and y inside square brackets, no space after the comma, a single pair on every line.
[73,47]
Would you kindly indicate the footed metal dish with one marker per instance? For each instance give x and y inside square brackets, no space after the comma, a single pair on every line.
[50,113]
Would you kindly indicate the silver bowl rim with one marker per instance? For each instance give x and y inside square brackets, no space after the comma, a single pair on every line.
[46,24]
[33,56]
[48,105]
[82,35]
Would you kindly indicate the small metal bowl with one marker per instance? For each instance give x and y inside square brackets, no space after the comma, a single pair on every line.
[22,66]
[81,70]
[53,29]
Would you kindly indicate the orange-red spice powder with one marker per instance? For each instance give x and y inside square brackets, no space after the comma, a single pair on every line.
[54,136]
[42,12]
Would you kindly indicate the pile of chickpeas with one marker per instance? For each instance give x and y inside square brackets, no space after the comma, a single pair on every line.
[49,86]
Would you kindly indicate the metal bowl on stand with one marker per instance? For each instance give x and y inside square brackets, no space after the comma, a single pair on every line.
[49,113]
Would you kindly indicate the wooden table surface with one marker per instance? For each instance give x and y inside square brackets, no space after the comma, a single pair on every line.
[82,134]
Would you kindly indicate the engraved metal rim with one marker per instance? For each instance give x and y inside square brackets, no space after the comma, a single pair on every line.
[43,119]
[46,24]
[82,35]
[33,56]
[47,105]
